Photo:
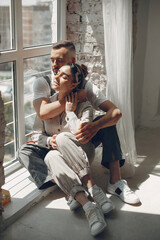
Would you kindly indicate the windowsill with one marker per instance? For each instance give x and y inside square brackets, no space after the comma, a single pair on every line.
[24,195]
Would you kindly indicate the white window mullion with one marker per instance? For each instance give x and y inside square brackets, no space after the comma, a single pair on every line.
[37,51]
[12,23]
[19,72]
[61,19]
[62,13]
[8,56]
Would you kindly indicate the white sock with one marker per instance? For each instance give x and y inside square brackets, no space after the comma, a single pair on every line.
[87,206]
[93,189]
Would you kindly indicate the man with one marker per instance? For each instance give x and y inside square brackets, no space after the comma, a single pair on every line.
[102,129]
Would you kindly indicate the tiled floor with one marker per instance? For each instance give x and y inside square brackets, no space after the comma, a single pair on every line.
[52,219]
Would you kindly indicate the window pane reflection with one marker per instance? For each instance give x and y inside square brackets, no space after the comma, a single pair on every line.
[33,68]
[6,88]
[37,21]
[5,25]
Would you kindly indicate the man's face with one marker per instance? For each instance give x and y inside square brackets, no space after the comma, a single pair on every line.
[59,58]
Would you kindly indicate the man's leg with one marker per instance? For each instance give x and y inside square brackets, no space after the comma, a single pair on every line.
[115,172]
[111,149]
[31,156]
[112,159]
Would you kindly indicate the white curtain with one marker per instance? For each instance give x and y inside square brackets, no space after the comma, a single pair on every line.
[117,16]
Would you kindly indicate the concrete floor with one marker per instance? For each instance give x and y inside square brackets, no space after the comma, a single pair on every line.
[52,219]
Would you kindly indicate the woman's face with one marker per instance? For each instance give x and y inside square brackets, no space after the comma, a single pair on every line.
[63,81]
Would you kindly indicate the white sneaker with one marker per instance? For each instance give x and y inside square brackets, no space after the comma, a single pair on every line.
[122,190]
[101,199]
[73,204]
[96,220]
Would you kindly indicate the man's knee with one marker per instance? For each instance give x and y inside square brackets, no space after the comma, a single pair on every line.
[22,148]
[21,152]
[108,133]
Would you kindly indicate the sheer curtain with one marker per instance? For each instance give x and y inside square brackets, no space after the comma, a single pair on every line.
[117,16]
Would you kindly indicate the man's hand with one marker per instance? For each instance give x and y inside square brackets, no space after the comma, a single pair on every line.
[86,132]
[52,142]
[71,102]
[82,95]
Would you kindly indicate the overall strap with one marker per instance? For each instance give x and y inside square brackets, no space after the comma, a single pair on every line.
[49,83]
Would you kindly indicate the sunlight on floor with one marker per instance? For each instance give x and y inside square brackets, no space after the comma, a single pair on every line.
[58,204]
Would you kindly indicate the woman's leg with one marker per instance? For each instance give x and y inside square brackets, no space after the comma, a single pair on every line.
[70,183]
[62,174]
[93,214]
[76,158]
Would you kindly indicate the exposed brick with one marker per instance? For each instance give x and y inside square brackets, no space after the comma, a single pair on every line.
[2,179]
[92,7]
[85,29]
[74,36]
[2,134]
[73,18]
[74,7]
[73,27]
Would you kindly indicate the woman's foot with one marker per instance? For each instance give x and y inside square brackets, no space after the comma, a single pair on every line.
[73,203]
[95,218]
[101,199]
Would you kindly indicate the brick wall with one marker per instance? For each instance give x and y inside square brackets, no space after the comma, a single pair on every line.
[2,137]
[85,29]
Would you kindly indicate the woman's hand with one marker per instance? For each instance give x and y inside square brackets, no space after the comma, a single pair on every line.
[71,102]
[52,141]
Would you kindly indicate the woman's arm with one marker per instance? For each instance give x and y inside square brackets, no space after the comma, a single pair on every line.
[77,114]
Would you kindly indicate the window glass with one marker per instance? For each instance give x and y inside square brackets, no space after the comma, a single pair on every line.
[5,25]
[37,22]
[6,88]
[33,68]
[24,25]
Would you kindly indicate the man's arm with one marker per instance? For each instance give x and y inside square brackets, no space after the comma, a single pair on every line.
[46,110]
[88,130]
[113,114]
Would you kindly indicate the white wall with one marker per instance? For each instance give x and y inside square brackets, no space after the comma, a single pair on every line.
[147,65]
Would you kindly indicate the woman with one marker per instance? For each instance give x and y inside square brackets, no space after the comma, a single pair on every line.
[68,159]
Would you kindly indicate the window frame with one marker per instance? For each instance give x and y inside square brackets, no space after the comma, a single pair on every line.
[17,55]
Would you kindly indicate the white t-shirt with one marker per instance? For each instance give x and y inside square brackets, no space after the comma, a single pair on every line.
[42,89]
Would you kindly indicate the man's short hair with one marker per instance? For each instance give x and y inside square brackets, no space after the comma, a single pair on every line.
[66,43]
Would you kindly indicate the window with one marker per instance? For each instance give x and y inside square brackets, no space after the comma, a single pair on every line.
[27,30]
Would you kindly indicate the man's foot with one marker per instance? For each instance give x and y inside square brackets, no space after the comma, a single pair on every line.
[122,190]
[95,218]
[101,199]
[73,204]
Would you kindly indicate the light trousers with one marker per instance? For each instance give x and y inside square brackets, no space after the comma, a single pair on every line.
[69,163]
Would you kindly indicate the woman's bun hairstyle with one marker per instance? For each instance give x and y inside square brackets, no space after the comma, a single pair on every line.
[84,69]
[79,74]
